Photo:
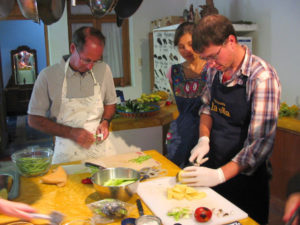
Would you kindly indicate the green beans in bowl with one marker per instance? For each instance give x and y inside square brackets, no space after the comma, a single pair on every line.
[33,161]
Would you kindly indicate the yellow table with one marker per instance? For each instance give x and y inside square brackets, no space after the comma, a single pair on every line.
[72,199]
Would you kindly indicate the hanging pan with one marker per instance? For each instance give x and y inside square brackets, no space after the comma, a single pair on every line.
[29,9]
[101,8]
[5,7]
[125,9]
[50,11]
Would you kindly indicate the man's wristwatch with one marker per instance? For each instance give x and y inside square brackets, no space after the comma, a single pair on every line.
[108,120]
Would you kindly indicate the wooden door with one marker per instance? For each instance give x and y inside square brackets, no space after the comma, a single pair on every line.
[3,125]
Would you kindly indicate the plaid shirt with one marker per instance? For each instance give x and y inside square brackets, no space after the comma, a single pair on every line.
[263,90]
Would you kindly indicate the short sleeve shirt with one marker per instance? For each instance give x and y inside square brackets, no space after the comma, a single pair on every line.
[47,92]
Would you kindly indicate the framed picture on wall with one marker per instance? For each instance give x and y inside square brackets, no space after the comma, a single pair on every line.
[24,66]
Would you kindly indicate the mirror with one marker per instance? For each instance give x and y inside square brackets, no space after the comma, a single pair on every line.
[24,65]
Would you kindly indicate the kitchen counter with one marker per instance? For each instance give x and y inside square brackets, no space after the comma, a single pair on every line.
[71,199]
[289,123]
[170,112]
[165,115]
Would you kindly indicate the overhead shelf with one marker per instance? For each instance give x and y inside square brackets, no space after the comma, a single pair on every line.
[239,27]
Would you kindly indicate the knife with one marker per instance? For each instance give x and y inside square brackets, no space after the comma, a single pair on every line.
[140,207]
[198,164]
[89,164]
[296,213]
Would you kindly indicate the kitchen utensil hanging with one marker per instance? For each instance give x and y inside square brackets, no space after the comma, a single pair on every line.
[29,9]
[50,11]
[5,7]
[102,8]
[125,9]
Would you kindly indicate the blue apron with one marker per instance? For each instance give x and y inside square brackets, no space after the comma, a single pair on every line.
[231,112]
[183,133]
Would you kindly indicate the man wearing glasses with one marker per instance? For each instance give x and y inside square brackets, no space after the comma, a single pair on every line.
[237,121]
[75,99]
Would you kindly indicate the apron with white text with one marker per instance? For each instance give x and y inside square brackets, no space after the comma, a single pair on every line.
[81,113]
[231,112]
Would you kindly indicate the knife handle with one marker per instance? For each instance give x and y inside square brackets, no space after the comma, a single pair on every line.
[140,207]
[88,164]
[297,212]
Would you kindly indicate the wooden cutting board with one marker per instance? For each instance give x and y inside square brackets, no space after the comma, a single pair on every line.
[160,205]
[124,160]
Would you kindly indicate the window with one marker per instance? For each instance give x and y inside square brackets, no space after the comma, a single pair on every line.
[116,53]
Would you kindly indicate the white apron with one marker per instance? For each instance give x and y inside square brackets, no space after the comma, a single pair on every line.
[81,113]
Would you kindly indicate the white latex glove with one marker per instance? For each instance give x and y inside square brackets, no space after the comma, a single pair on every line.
[202,176]
[200,150]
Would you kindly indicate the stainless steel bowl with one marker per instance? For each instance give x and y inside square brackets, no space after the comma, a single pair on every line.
[148,219]
[102,7]
[123,192]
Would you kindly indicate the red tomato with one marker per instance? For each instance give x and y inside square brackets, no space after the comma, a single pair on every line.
[86,181]
[202,214]
[168,103]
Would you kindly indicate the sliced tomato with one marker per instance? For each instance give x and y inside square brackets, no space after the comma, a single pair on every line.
[202,214]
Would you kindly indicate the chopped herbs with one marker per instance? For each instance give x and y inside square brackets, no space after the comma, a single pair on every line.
[140,159]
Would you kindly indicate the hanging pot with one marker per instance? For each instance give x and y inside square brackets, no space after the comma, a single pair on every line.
[5,7]
[29,9]
[101,8]
[126,8]
[50,11]
[119,21]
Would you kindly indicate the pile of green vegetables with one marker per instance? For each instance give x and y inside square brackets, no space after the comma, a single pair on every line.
[140,159]
[33,166]
[135,106]
[119,181]
[179,212]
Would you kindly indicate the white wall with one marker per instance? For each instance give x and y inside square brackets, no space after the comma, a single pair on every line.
[275,40]
[139,31]
[58,39]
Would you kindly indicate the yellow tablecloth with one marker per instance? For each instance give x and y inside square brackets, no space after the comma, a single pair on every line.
[72,199]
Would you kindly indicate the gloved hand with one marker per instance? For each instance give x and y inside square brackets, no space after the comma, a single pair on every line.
[202,176]
[200,150]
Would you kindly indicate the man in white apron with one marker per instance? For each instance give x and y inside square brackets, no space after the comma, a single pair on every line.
[75,99]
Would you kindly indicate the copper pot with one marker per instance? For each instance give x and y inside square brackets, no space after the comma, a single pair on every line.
[29,9]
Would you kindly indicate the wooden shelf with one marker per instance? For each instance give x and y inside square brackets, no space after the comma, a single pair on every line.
[245,28]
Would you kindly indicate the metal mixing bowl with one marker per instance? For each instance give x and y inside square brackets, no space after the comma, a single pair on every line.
[123,192]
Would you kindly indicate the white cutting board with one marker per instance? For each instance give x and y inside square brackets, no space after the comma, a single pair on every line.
[154,194]
[124,160]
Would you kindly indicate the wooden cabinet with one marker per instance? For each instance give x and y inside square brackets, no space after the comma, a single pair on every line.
[285,162]
[17,100]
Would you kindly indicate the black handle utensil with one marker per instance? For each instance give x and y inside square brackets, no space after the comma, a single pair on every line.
[296,213]
[140,207]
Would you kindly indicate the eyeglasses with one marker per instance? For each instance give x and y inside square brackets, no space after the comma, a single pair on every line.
[213,57]
[87,61]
